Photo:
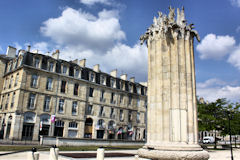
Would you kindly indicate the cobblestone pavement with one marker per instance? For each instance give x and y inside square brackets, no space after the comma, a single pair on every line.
[214,155]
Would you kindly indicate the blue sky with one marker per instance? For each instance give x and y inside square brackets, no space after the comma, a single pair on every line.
[107,32]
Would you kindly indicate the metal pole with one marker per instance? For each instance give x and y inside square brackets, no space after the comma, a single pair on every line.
[229,124]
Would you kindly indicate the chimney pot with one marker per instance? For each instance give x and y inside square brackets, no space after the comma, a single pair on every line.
[114,73]
[82,62]
[96,68]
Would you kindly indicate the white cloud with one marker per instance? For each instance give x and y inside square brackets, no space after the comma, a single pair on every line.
[1,50]
[214,89]
[42,47]
[99,39]
[17,46]
[78,28]
[126,59]
[215,47]
[92,2]
[238,29]
[235,3]
[234,58]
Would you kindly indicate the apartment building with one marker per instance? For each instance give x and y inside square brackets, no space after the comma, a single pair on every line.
[45,95]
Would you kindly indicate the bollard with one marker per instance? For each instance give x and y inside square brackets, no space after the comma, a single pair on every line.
[100,153]
[54,153]
[33,155]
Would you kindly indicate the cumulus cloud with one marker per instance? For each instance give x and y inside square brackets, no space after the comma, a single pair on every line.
[42,47]
[124,58]
[215,47]
[214,89]
[238,29]
[234,58]
[76,27]
[92,2]
[235,3]
[1,50]
[99,39]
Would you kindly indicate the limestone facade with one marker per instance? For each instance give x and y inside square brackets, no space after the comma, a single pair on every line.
[44,95]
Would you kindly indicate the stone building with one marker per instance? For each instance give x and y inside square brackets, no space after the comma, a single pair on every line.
[45,95]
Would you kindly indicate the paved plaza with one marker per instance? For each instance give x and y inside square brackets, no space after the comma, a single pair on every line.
[214,155]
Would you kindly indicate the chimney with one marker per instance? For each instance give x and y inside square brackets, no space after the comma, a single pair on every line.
[114,73]
[123,77]
[75,61]
[56,54]
[28,48]
[82,62]
[21,52]
[11,52]
[132,79]
[96,68]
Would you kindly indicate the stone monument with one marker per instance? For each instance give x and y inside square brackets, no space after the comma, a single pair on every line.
[172,128]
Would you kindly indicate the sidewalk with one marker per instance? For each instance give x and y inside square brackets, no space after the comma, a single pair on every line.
[214,155]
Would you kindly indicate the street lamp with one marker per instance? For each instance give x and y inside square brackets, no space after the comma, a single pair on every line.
[229,114]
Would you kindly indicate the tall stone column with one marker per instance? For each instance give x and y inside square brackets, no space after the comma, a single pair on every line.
[172,127]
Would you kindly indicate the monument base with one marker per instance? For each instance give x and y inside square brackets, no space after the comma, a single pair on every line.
[197,153]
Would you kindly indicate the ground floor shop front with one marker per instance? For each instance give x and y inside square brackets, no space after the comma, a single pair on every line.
[30,126]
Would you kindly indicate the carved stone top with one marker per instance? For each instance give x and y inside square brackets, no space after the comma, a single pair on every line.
[164,24]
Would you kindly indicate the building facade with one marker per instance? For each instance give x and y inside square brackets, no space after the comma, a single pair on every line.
[44,95]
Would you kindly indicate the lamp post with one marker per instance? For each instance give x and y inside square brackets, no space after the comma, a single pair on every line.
[229,125]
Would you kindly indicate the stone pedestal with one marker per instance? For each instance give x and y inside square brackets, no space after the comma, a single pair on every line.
[172,127]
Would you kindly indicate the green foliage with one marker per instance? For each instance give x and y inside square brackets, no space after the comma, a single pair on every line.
[216,115]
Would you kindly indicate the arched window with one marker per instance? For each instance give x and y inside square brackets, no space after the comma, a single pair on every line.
[29,117]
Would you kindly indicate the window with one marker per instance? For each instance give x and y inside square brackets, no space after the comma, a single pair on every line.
[129,116]
[112,98]
[20,61]
[121,99]
[14,64]
[31,101]
[77,73]
[102,96]
[34,80]
[91,92]
[72,125]
[49,83]
[64,69]
[60,106]
[130,88]
[2,97]
[121,85]
[50,66]
[75,91]
[145,103]
[89,110]
[36,62]
[138,117]
[101,111]
[102,80]
[91,78]
[16,79]
[74,108]
[13,98]
[112,83]
[129,100]
[121,117]
[46,106]
[6,82]
[138,90]
[63,86]
[138,102]
[7,101]
[111,113]
[10,83]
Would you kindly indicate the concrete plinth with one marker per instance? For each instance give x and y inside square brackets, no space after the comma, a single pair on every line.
[173,155]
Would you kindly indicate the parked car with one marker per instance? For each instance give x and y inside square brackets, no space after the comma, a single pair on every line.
[208,140]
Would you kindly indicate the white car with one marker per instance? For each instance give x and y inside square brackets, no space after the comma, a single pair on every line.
[208,140]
